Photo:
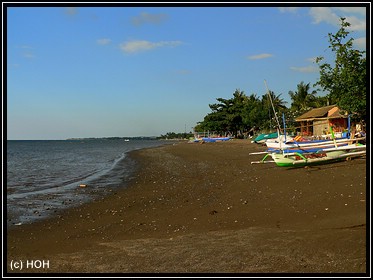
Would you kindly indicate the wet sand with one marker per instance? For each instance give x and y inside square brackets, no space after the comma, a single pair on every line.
[204,208]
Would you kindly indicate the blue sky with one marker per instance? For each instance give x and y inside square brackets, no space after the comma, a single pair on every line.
[146,71]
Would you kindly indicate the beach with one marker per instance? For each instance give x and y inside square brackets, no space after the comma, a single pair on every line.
[204,208]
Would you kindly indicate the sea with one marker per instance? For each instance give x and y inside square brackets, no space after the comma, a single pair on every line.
[44,177]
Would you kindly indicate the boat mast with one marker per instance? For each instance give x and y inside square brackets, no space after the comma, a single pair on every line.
[270,98]
[283,120]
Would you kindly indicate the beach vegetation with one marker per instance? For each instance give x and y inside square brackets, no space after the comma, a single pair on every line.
[302,99]
[345,80]
[176,136]
[344,84]
[242,114]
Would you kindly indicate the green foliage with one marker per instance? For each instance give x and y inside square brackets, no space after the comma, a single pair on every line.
[321,101]
[272,121]
[302,100]
[241,114]
[346,80]
[174,135]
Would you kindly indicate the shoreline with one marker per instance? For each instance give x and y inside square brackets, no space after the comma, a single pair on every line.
[204,208]
[40,203]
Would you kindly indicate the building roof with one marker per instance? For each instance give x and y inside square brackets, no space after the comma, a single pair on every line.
[321,113]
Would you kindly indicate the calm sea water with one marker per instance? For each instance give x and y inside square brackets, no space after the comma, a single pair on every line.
[44,177]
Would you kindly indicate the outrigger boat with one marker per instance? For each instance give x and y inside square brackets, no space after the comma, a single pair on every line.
[305,144]
[313,152]
[322,155]
[310,146]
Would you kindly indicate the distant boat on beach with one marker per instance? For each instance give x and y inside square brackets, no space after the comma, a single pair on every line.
[207,137]
[215,139]
[126,140]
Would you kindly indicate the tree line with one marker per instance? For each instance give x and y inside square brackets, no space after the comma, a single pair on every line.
[345,81]
[242,114]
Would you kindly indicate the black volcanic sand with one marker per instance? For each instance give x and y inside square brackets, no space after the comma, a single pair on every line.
[204,208]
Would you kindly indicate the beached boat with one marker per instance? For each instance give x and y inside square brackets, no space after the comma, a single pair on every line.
[319,156]
[273,137]
[282,138]
[314,152]
[303,145]
[262,138]
[215,139]
[211,139]
[311,145]
[201,137]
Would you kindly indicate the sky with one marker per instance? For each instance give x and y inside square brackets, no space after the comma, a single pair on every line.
[117,71]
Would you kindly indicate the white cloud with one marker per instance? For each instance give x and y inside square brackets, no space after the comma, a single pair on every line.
[260,56]
[312,59]
[333,15]
[27,51]
[29,55]
[356,24]
[306,69]
[13,65]
[355,10]
[103,41]
[288,9]
[71,11]
[360,43]
[142,45]
[149,18]
[324,14]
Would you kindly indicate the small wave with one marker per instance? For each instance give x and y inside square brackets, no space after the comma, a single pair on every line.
[31,191]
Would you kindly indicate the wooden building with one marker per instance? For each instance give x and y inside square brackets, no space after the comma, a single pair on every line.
[317,122]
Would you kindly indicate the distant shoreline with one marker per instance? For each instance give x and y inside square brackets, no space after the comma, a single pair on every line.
[116,138]
[90,138]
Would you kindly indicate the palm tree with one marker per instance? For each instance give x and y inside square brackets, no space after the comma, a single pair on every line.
[278,107]
[302,100]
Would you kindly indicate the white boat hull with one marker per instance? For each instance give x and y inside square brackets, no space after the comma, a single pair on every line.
[292,159]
